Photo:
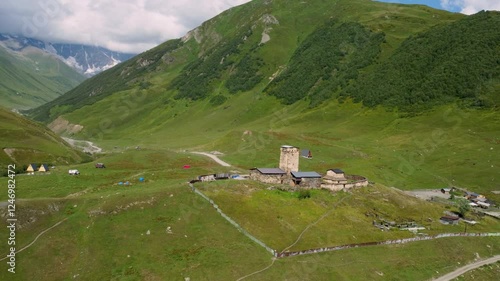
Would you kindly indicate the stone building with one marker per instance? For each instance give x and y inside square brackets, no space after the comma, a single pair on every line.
[204,178]
[268,175]
[306,180]
[336,179]
[289,159]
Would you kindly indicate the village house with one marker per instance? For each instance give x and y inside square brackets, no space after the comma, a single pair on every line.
[100,165]
[306,153]
[222,176]
[306,179]
[205,178]
[43,168]
[336,180]
[449,220]
[268,175]
[32,168]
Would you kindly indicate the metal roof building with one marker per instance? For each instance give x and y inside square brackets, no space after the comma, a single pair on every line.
[271,171]
[305,175]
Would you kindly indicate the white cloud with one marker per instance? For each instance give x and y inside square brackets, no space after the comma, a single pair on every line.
[469,7]
[121,25]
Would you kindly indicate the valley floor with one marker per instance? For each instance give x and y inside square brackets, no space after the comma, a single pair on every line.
[159,229]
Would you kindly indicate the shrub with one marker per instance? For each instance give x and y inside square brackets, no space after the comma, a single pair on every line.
[304,194]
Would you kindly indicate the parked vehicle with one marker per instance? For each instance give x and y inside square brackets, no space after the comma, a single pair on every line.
[73,172]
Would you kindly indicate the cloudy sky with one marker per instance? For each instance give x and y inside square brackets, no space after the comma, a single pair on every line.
[137,25]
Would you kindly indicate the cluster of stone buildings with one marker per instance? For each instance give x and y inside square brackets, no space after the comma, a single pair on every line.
[288,173]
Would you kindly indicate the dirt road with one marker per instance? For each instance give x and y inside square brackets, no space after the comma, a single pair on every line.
[464,269]
[215,158]
[85,146]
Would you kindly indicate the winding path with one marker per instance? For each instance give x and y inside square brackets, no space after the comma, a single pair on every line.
[85,146]
[215,158]
[36,238]
[464,269]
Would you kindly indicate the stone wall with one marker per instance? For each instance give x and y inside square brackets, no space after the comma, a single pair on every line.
[389,242]
[310,183]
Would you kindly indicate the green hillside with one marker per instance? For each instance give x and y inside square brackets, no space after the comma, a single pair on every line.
[216,60]
[24,141]
[258,76]
[450,62]
[209,88]
[32,78]
[159,229]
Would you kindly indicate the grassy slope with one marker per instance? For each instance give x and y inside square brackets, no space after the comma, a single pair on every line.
[406,152]
[437,148]
[106,220]
[154,69]
[33,78]
[106,223]
[32,143]
[278,217]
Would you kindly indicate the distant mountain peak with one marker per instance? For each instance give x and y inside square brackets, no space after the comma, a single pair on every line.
[88,60]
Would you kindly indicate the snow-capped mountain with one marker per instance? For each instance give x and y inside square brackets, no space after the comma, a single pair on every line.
[88,60]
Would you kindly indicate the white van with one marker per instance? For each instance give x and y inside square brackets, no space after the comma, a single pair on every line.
[73,172]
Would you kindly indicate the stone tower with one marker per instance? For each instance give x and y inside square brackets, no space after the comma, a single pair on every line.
[289,159]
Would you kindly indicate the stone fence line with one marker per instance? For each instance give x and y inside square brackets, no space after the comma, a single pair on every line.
[388,242]
[231,221]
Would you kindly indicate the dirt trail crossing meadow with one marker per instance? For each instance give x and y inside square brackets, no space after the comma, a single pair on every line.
[214,157]
[464,269]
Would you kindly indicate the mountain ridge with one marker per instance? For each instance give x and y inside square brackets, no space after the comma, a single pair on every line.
[33,77]
[88,60]
[216,55]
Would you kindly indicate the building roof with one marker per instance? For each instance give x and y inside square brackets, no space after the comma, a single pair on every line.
[271,171]
[44,166]
[34,166]
[306,175]
[448,218]
[337,171]
[483,204]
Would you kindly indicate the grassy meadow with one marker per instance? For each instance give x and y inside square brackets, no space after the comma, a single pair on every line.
[160,230]
[148,117]
[439,148]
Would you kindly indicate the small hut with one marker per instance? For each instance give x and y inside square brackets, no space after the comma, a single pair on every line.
[43,168]
[32,168]
[306,153]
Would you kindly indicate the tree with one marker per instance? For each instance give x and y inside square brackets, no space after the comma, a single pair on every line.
[463,206]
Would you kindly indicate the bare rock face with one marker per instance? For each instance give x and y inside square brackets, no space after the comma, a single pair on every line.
[268,21]
[60,125]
